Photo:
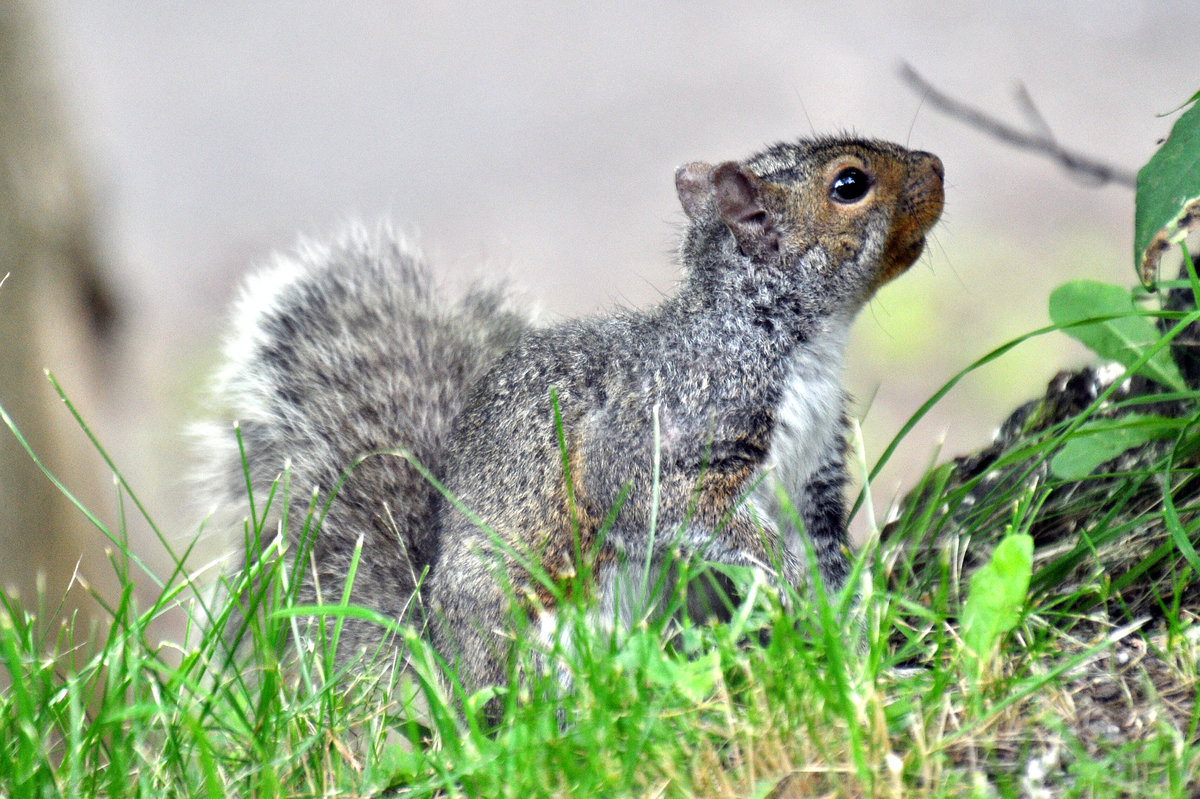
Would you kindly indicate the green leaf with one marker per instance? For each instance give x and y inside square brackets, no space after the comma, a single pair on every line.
[1124,337]
[643,655]
[1168,194]
[997,595]
[1100,440]
[397,765]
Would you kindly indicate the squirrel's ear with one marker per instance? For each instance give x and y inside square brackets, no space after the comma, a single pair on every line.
[693,186]
[740,197]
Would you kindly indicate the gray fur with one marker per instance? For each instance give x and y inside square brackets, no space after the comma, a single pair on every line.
[741,367]
[345,350]
[342,350]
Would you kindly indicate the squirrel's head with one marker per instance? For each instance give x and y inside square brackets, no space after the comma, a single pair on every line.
[841,216]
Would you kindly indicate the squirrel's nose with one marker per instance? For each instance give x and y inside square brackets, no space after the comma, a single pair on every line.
[934,163]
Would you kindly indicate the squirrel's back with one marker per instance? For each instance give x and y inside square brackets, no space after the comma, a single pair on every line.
[344,352]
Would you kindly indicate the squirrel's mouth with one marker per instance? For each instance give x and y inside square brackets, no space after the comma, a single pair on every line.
[900,256]
[907,241]
[914,250]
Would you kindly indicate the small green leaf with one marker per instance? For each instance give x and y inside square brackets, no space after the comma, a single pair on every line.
[1123,338]
[1168,194]
[476,701]
[1100,440]
[643,655]
[397,765]
[997,595]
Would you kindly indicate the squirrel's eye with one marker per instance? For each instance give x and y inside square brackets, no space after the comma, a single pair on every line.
[849,185]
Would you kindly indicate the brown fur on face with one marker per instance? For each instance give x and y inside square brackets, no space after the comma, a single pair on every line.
[908,188]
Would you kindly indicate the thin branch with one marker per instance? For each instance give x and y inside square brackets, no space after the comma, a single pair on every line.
[1033,113]
[1039,142]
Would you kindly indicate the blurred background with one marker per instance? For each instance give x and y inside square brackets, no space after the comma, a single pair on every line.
[151,154]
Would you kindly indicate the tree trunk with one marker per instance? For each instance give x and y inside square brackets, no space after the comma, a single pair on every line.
[56,312]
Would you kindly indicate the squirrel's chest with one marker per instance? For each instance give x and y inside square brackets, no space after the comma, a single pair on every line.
[811,412]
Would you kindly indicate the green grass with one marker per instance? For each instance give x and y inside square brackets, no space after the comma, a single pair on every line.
[875,697]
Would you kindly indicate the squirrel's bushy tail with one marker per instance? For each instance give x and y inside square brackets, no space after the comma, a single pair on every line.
[342,352]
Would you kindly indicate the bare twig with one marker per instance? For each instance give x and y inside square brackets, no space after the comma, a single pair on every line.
[1032,113]
[1041,141]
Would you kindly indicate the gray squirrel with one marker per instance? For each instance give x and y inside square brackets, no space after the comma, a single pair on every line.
[344,355]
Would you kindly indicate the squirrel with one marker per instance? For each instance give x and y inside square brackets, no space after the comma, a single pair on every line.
[627,439]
